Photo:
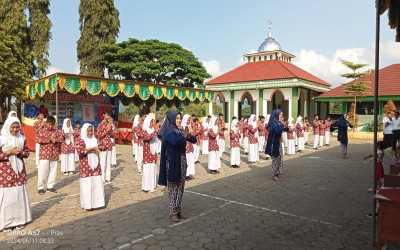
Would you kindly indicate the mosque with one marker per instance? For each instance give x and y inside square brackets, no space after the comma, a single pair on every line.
[267,81]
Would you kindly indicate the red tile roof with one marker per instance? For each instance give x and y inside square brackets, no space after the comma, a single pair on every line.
[265,70]
[389,83]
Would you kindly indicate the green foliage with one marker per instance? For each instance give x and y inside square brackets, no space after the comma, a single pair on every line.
[335,107]
[370,126]
[99,24]
[354,67]
[40,35]
[356,89]
[246,111]
[154,61]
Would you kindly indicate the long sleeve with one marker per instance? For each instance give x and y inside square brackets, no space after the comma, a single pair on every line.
[80,147]
[147,136]
[24,153]
[174,138]
[252,129]
[192,139]
[212,134]
[3,155]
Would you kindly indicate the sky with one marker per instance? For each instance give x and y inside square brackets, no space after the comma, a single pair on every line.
[219,33]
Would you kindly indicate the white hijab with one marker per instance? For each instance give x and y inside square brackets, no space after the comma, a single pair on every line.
[93,158]
[136,121]
[266,119]
[9,141]
[184,121]
[3,130]
[205,123]
[211,124]
[70,137]
[252,122]
[290,122]
[150,130]
[299,119]
[233,125]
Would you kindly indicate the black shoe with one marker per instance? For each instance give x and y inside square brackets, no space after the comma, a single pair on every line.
[41,191]
[316,148]
[370,215]
[217,172]
[213,172]
[52,190]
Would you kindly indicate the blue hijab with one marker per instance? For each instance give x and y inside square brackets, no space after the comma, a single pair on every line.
[276,128]
[169,124]
[170,153]
[342,130]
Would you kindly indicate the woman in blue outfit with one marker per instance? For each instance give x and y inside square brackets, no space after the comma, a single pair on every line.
[342,134]
[173,164]
[276,128]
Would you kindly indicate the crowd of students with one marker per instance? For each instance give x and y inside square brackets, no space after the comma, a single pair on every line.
[95,153]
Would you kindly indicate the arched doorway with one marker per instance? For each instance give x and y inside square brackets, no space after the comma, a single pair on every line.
[221,106]
[279,102]
[246,105]
[301,104]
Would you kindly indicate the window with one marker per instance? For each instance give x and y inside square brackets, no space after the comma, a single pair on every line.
[362,108]
[259,58]
[254,59]
[335,107]
[265,57]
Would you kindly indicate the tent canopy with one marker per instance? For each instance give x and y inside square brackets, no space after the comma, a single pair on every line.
[124,88]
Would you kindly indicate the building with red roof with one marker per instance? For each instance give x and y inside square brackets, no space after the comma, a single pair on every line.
[267,81]
[389,89]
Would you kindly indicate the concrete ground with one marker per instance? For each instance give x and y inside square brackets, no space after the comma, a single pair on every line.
[321,203]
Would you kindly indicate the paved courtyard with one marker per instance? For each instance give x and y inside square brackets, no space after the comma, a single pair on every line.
[321,203]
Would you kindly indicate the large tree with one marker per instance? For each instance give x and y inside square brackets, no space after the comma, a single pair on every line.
[99,24]
[154,61]
[24,44]
[355,88]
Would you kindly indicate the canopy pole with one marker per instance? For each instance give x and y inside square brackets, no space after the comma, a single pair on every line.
[376,108]
[57,104]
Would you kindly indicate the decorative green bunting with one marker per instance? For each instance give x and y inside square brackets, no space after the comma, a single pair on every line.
[157,92]
[150,102]
[129,89]
[202,95]
[186,102]
[177,103]
[181,94]
[144,92]
[192,95]
[169,103]
[93,87]
[112,88]
[73,85]
[41,88]
[32,91]
[170,93]
[125,100]
[137,101]
[52,83]
[210,96]
[160,102]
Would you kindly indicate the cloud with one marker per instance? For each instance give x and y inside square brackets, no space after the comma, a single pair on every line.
[242,60]
[213,67]
[330,68]
[52,70]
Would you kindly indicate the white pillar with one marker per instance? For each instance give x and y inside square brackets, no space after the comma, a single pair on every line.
[210,108]
[229,110]
[257,108]
[265,110]
[236,109]
[305,110]
[290,109]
